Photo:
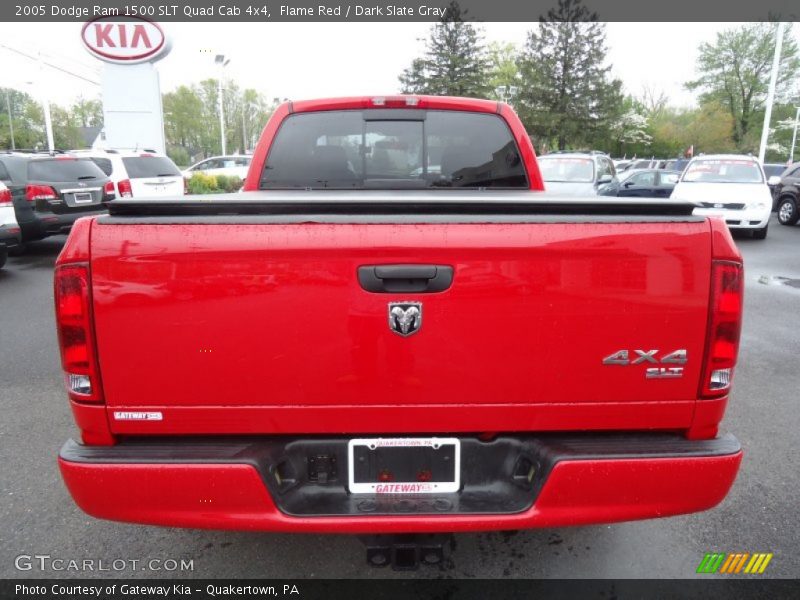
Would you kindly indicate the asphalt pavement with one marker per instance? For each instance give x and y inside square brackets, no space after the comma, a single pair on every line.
[37,516]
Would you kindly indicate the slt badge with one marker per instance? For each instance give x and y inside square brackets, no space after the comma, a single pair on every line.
[405,318]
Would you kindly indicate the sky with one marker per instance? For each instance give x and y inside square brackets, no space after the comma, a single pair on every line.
[308,60]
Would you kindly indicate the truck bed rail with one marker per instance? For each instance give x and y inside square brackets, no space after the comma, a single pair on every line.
[398,202]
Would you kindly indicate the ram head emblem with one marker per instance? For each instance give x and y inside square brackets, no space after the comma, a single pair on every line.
[405,318]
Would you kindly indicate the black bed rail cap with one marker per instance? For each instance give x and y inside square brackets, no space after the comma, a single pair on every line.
[471,202]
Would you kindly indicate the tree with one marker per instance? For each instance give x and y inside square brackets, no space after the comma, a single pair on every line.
[735,70]
[191,119]
[455,62]
[503,70]
[567,95]
[87,112]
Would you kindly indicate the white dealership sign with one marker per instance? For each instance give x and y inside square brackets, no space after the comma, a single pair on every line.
[132,113]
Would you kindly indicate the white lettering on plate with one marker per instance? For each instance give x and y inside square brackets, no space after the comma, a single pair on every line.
[138,416]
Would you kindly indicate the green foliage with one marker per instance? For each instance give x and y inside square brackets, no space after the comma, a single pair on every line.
[734,73]
[200,183]
[229,183]
[503,70]
[455,62]
[568,97]
[179,155]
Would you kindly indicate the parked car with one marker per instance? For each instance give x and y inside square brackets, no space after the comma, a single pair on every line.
[234,165]
[9,228]
[675,164]
[787,195]
[645,183]
[578,173]
[50,192]
[349,348]
[773,172]
[731,186]
[646,163]
[147,174]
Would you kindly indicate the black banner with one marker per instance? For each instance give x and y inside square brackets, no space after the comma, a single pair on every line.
[396,589]
[393,10]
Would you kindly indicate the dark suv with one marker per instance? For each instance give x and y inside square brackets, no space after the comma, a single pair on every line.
[787,195]
[50,192]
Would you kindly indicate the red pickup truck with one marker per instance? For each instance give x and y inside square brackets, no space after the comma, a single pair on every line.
[394,329]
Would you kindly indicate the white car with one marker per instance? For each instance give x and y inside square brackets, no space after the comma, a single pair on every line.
[138,174]
[730,186]
[235,165]
[9,228]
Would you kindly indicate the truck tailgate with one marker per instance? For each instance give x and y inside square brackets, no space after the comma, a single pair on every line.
[264,327]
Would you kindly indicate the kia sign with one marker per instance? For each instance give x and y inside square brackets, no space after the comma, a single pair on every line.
[125,41]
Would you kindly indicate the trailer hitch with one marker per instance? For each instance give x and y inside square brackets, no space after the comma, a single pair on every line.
[405,552]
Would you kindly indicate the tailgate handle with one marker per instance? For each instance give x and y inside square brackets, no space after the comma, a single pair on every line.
[389,279]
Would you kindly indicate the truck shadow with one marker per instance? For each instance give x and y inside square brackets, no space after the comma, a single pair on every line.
[504,554]
[37,255]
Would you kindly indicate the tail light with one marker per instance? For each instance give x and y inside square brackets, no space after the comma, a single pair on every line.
[725,323]
[5,197]
[39,192]
[76,333]
[108,189]
[124,188]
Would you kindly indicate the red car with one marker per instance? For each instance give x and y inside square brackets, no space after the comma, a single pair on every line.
[394,329]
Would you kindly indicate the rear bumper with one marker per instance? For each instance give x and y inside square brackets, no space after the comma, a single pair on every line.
[9,236]
[231,484]
[46,223]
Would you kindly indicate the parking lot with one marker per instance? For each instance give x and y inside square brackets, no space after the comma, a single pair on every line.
[37,515]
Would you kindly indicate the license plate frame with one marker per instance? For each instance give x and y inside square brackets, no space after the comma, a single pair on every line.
[82,198]
[404,487]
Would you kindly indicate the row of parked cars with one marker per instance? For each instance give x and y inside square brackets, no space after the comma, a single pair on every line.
[736,187]
[42,194]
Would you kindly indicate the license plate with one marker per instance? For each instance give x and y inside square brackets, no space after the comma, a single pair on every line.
[404,465]
[83,198]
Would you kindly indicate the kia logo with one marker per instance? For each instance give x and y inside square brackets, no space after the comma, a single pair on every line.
[127,40]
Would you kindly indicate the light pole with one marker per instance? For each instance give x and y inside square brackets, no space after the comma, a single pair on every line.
[221,62]
[246,107]
[773,81]
[11,120]
[794,135]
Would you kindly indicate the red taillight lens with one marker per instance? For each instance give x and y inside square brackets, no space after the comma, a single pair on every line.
[39,192]
[108,189]
[76,334]
[725,323]
[5,197]
[124,188]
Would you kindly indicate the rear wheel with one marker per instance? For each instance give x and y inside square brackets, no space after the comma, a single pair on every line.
[3,257]
[787,211]
[760,234]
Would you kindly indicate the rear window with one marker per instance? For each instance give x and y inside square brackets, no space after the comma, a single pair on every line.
[393,149]
[63,170]
[140,167]
[104,164]
[723,171]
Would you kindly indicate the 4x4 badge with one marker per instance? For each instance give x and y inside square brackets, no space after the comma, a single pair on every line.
[405,318]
